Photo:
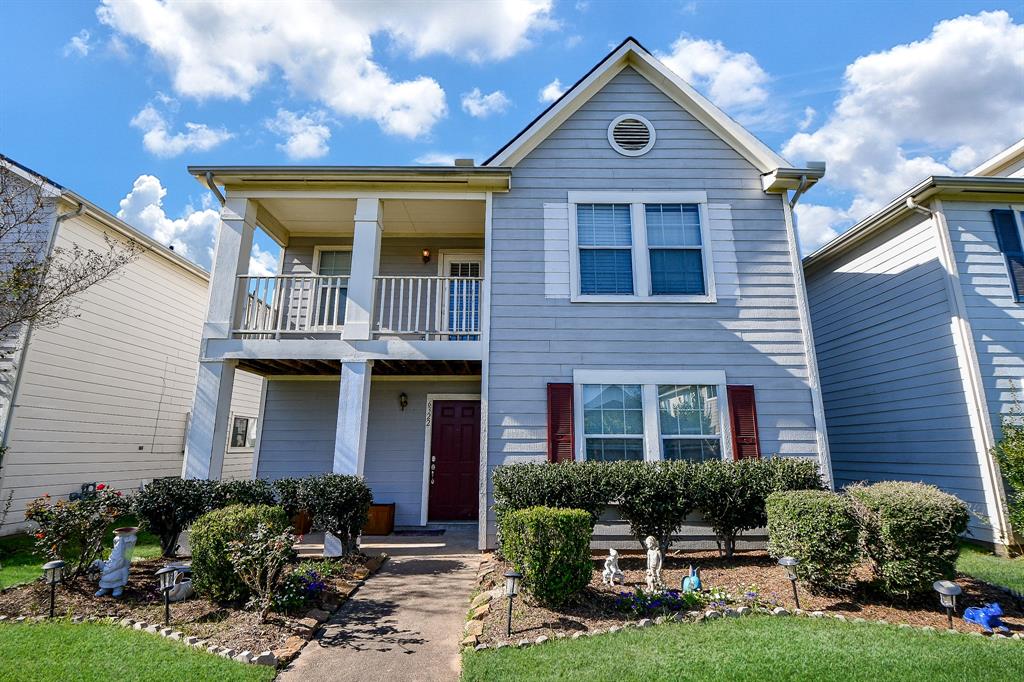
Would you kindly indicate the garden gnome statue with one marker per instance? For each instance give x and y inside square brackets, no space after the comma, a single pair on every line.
[653,564]
[691,583]
[114,571]
[611,571]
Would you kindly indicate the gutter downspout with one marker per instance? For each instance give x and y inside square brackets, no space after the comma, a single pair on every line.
[28,329]
[213,188]
[801,188]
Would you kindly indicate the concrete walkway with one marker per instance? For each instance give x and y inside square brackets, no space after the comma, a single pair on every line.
[406,622]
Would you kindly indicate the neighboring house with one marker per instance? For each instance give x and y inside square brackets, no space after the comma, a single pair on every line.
[105,395]
[620,281]
[918,315]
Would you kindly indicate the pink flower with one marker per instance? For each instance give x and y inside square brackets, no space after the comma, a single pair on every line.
[101,486]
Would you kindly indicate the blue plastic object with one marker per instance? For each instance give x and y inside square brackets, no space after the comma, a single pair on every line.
[987,617]
[691,583]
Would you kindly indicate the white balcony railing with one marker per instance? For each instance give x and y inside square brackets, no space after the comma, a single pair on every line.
[289,304]
[430,308]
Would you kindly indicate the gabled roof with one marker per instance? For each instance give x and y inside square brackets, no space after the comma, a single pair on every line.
[631,53]
[1009,157]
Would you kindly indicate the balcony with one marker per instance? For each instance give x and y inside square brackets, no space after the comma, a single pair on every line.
[420,308]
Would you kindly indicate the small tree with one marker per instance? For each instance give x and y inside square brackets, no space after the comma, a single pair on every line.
[655,497]
[259,561]
[1009,452]
[167,506]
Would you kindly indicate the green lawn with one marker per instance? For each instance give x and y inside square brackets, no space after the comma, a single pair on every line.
[756,648]
[20,564]
[991,568]
[60,651]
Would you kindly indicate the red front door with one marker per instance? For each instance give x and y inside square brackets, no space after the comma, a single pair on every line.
[454,461]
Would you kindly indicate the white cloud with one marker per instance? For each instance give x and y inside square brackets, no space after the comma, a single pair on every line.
[78,44]
[573,40]
[323,50]
[192,235]
[816,225]
[551,91]
[306,135]
[158,140]
[262,263]
[732,80]
[809,115]
[479,105]
[438,159]
[931,107]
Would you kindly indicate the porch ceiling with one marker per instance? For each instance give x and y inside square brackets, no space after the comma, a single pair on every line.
[313,367]
[398,216]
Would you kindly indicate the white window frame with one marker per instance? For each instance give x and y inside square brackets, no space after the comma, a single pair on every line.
[317,252]
[649,381]
[640,251]
[253,424]
[446,257]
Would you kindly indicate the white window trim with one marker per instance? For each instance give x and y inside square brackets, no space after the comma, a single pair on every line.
[253,421]
[649,381]
[317,250]
[641,256]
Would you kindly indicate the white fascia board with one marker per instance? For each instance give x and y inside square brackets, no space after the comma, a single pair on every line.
[1007,157]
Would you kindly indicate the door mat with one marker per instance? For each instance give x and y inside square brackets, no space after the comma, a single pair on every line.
[428,532]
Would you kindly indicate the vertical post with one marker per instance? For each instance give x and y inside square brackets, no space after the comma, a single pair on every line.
[207,434]
[350,432]
[365,264]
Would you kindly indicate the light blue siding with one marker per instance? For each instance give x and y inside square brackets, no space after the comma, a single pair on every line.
[753,332]
[299,426]
[895,405]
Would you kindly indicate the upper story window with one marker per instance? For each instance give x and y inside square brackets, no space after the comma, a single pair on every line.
[1009,226]
[640,246]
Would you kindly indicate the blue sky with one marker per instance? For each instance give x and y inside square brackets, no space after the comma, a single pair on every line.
[114,99]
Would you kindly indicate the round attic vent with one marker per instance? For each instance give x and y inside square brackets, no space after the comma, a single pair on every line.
[631,135]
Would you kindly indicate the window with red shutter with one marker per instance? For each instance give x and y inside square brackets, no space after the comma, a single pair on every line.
[743,420]
[560,423]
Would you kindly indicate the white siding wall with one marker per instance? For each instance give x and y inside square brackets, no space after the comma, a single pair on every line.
[299,425]
[894,398]
[753,332]
[245,402]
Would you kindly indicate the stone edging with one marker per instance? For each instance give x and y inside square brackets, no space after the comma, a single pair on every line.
[711,614]
[308,626]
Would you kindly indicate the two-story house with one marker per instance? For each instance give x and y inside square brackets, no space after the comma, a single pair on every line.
[918,315]
[621,280]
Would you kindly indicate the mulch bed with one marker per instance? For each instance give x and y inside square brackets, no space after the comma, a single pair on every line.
[595,609]
[226,625]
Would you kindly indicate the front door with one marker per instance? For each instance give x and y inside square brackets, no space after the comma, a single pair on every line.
[454,461]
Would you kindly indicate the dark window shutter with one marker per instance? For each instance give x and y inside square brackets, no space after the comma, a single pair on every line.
[743,420]
[1010,245]
[560,427]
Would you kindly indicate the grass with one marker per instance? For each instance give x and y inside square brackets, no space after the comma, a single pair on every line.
[993,569]
[59,650]
[756,648]
[19,562]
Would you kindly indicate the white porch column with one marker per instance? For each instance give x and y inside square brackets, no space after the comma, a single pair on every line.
[353,415]
[208,427]
[365,262]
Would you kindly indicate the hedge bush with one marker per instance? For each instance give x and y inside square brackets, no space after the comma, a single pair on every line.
[167,506]
[213,574]
[551,548]
[339,505]
[287,490]
[655,498]
[731,495]
[911,533]
[1009,452]
[568,485]
[250,492]
[819,528]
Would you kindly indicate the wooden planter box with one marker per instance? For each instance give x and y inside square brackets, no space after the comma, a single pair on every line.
[381,521]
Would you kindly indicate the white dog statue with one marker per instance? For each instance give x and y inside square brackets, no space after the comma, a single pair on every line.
[653,564]
[611,571]
[114,571]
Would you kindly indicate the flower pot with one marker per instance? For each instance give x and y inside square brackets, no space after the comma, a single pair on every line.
[302,522]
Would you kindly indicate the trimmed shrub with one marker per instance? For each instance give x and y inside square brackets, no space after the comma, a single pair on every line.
[911,532]
[250,492]
[213,574]
[730,495]
[551,548]
[819,528]
[654,497]
[1009,452]
[568,485]
[288,494]
[259,560]
[339,505]
[167,506]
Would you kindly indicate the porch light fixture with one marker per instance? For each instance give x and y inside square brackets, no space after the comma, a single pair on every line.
[426,255]
[403,401]
[513,579]
[789,564]
[53,573]
[167,577]
[948,591]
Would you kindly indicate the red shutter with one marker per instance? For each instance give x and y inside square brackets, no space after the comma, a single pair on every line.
[560,428]
[743,420]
